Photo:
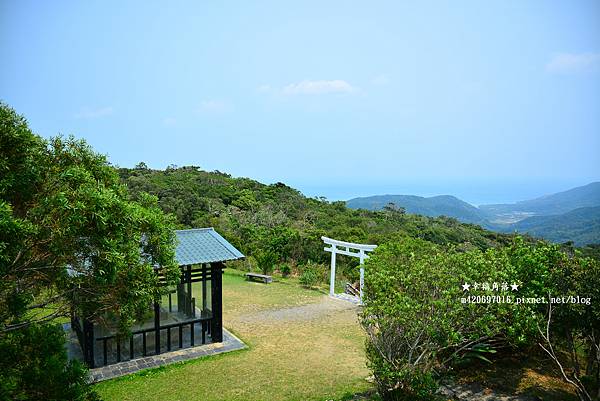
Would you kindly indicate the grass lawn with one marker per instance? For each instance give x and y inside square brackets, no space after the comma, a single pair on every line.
[302,346]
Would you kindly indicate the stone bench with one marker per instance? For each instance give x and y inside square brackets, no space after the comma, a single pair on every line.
[262,277]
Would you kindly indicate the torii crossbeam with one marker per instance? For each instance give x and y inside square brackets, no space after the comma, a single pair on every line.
[348,249]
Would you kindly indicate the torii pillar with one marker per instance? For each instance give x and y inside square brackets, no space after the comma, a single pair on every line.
[348,249]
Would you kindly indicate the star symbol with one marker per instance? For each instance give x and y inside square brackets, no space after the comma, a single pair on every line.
[466,287]
[514,287]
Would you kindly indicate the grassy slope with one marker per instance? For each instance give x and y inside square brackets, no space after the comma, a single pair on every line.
[289,360]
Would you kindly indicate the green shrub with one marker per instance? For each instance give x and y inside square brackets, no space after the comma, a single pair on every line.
[416,385]
[416,321]
[34,366]
[285,269]
[348,269]
[574,326]
[309,277]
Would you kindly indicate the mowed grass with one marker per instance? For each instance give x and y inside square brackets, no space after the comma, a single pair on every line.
[291,356]
[241,297]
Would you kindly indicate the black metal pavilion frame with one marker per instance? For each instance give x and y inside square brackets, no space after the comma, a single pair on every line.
[211,323]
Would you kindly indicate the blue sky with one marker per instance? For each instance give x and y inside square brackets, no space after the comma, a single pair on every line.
[488,101]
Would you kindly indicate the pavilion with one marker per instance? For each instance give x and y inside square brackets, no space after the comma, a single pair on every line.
[190,314]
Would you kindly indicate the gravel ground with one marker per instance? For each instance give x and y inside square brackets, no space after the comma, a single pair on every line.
[325,307]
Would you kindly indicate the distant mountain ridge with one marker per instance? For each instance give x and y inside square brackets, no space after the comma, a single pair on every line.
[572,215]
[442,205]
[558,203]
[582,226]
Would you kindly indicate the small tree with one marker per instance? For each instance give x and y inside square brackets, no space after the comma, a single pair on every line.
[266,261]
[70,236]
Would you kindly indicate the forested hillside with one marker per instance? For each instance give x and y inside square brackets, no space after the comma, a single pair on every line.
[275,218]
[443,205]
[581,226]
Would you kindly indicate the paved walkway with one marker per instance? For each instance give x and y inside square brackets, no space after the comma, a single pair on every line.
[346,297]
[230,343]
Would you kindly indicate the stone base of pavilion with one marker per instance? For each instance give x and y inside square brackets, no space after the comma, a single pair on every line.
[230,343]
[346,297]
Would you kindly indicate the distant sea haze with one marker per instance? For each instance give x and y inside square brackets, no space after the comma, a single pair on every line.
[476,192]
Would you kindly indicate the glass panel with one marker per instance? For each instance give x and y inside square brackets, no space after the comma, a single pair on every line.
[208,307]
[202,295]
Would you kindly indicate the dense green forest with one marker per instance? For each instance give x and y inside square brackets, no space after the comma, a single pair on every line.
[275,218]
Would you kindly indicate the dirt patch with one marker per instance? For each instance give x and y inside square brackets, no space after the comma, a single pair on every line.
[477,392]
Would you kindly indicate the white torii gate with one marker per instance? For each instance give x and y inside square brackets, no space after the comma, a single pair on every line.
[349,249]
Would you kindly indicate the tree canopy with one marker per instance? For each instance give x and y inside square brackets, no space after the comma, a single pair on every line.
[70,232]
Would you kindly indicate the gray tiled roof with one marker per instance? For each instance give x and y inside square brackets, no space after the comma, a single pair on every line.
[203,245]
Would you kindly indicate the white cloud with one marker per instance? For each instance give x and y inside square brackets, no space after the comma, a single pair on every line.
[94,113]
[381,80]
[214,106]
[308,87]
[566,63]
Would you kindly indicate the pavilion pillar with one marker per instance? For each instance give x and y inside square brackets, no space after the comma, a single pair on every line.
[88,343]
[189,305]
[157,328]
[332,277]
[204,278]
[216,281]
